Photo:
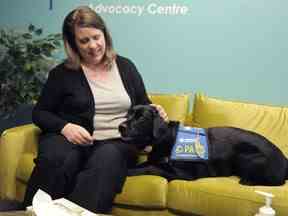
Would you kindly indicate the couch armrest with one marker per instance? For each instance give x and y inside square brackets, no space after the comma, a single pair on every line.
[15,142]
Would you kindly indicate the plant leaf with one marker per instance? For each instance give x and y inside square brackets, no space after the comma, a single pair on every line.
[31,28]
[39,31]
[27,36]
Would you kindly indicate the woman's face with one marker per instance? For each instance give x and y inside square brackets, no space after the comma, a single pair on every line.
[91,44]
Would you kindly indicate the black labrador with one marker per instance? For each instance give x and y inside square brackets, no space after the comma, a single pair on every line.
[232,151]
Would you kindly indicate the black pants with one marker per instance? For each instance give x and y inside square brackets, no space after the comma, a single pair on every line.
[90,176]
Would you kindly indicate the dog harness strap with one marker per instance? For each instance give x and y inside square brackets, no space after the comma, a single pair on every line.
[191,145]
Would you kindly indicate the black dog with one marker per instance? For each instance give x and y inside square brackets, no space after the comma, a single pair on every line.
[232,151]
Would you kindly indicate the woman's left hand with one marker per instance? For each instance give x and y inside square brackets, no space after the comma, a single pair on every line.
[161,111]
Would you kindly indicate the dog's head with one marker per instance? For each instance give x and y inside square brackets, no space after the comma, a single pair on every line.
[143,125]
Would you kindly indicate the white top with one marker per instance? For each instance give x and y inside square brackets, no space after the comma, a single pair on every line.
[111,104]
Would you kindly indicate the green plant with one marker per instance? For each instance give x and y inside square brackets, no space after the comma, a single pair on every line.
[25,59]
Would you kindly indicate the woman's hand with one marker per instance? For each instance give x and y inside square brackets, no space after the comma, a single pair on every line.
[161,111]
[77,134]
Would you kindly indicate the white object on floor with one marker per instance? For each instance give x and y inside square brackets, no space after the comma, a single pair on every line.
[43,205]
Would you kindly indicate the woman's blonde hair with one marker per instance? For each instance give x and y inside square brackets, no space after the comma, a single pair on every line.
[84,17]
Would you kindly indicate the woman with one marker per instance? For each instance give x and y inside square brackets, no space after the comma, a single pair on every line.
[81,155]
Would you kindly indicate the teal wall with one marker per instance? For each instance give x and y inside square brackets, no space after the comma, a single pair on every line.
[228,49]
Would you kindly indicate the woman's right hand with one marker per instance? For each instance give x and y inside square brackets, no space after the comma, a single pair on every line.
[77,134]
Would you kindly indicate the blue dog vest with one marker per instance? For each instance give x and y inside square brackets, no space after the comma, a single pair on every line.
[191,145]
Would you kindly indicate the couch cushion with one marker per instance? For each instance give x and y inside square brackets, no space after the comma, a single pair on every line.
[270,121]
[175,105]
[222,196]
[25,167]
[151,191]
[143,191]
[189,119]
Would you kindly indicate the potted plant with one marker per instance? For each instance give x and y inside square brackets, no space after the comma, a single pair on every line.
[25,59]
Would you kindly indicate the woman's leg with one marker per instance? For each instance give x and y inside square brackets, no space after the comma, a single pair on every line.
[56,166]
[103,175]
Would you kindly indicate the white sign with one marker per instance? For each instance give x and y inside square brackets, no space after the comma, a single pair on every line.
[172,9]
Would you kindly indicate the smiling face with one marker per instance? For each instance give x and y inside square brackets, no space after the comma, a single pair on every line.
[91,44]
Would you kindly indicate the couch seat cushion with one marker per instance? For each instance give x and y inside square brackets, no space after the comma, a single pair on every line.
[222,196]
[144,191]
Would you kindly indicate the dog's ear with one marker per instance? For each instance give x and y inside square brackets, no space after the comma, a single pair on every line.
[159,126]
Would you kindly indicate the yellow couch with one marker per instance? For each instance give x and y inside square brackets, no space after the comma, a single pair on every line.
[153,195]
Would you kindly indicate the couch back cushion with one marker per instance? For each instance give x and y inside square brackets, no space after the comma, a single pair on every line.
[270,121]
[175,105]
